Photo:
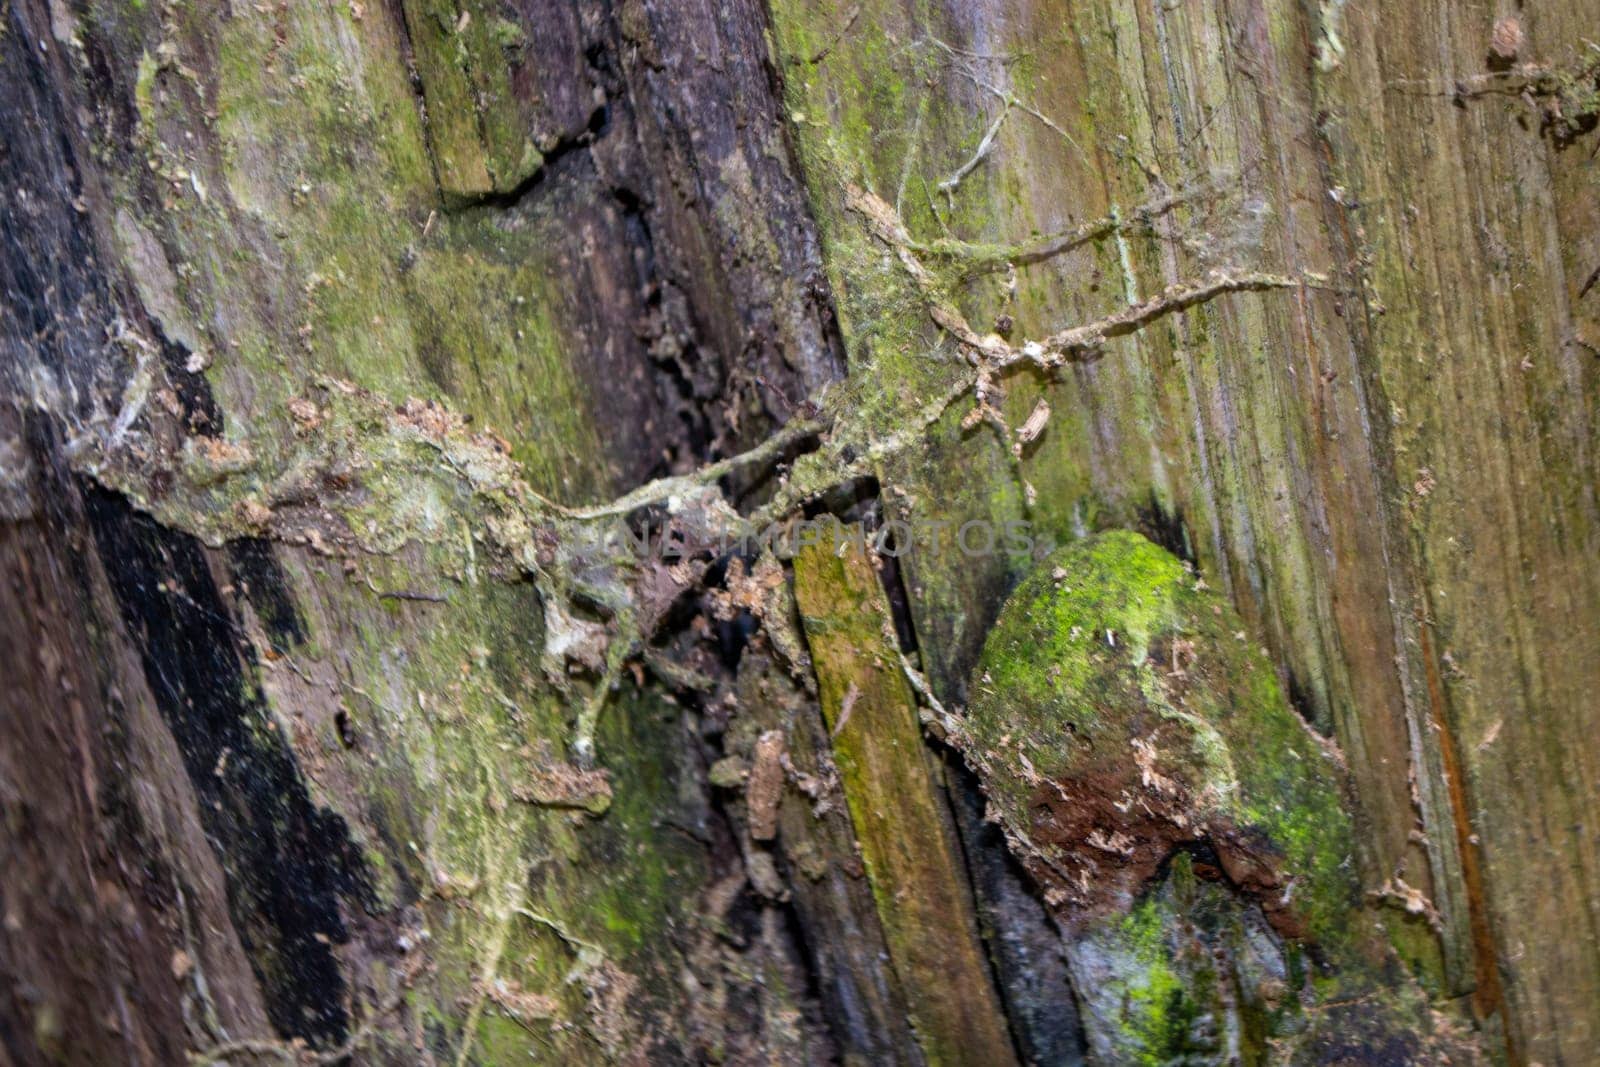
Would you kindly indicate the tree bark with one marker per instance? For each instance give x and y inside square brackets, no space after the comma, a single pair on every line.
[352,351]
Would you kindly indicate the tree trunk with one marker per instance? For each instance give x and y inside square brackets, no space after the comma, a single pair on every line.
[505,508]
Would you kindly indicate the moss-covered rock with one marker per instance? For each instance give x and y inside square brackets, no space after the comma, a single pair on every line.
[1188,829]
[1120,712]
[1189,975]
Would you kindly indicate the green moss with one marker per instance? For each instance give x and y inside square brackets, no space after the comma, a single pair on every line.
[521,900]
[144,86]
[1187,975]
[302,233]
[507,34]
[1158,1012]
[1121,720]
[1113,643]
[476,129]
[488,323]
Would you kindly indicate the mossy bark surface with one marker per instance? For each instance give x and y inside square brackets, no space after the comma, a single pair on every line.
[348,348]
[301,300]
[1368,471]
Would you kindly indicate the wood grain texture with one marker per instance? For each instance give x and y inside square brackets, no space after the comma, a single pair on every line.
[901,820]
[618,235]
[1393,479]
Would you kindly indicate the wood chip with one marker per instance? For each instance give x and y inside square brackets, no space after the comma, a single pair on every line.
[764,788]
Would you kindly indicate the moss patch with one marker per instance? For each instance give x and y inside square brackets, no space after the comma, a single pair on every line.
[1119,710]
[1138,752]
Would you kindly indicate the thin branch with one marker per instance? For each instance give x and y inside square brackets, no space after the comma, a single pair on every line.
[1003,58]
[1075,342]
[403,594]
[1005,96]
[572,941]
[948,186]
[583,750]
[791,497]
[937,714]
[791,433]
[981,257]
[849,23]
[295,1053]
[1535,77]
[406,594]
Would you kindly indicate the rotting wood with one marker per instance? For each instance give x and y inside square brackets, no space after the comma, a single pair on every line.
[907,841]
